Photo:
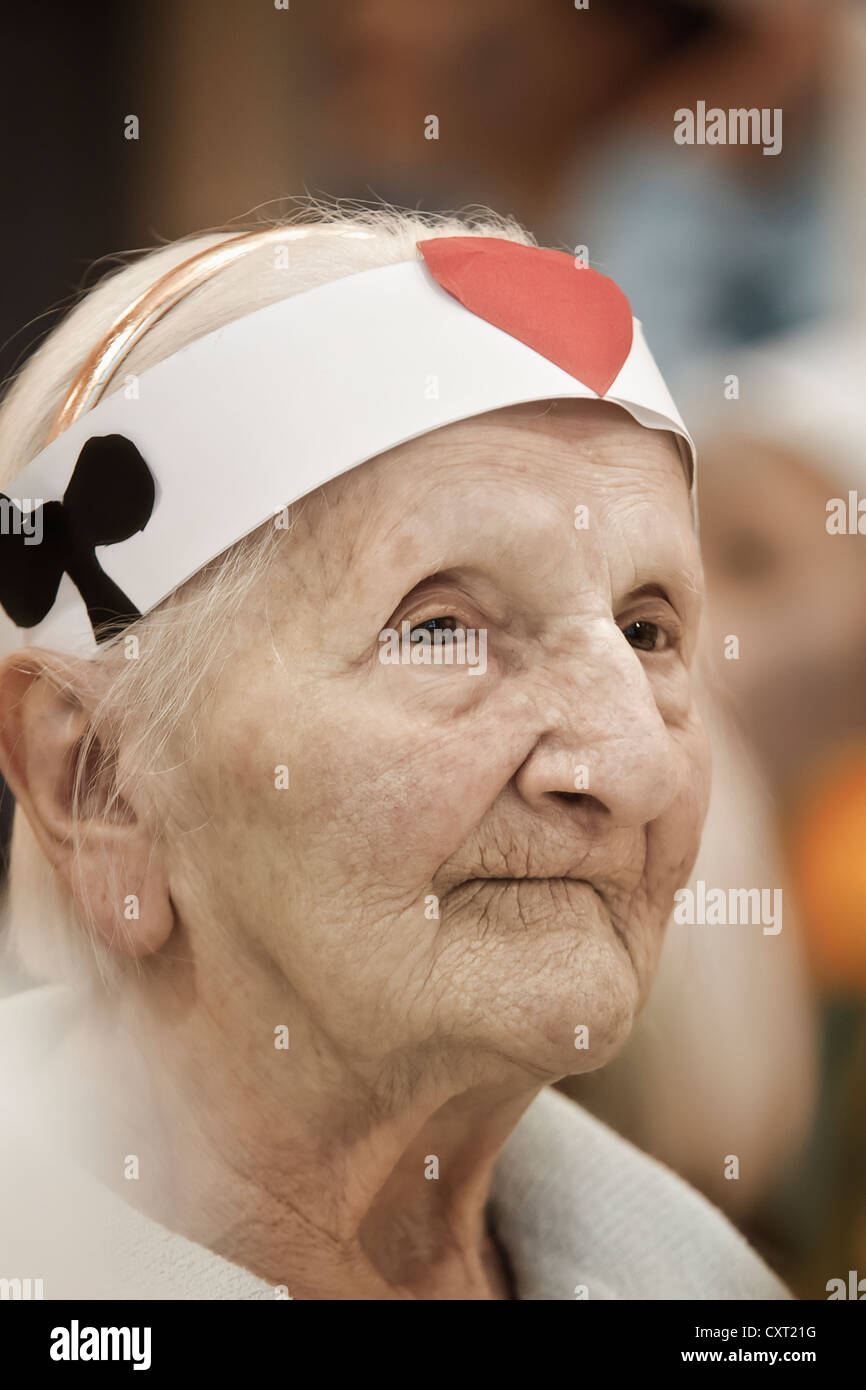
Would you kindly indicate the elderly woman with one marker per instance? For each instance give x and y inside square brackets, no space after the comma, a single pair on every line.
[353,579]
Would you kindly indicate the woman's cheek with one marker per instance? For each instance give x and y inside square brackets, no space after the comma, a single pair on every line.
[435,691]
[685,821]
[412,782]
[671,685]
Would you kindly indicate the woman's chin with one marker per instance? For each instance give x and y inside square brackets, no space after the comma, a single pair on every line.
[567,988]
[583,1031]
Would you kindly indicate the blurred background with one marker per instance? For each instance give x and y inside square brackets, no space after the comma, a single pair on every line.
[747,271]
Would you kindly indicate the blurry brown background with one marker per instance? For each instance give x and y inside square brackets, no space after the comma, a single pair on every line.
[243,105]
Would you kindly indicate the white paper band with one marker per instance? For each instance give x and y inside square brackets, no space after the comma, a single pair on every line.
[259,413]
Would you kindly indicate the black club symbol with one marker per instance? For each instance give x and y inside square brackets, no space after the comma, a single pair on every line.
[109,497]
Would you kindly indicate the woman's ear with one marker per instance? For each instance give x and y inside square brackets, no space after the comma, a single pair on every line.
[112,866]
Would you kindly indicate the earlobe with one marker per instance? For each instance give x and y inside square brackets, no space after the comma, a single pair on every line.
[100,844]
[122,889]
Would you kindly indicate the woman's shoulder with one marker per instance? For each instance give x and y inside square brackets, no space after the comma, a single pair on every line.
[585,1214]
[61,1230]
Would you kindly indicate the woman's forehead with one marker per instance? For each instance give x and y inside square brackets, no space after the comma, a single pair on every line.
[528,486]
[549,447]
[582,426]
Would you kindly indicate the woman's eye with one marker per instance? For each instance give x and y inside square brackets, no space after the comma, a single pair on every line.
[447,624]
[646,636]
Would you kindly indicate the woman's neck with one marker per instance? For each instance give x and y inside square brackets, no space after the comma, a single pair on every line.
[303,1175]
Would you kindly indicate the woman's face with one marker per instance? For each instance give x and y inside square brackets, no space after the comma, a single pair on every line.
[465,866]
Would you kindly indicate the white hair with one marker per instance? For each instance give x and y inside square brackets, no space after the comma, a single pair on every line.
[151,703]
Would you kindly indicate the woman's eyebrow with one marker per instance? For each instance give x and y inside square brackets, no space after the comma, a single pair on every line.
[680,579]
[649,591]
[467,576]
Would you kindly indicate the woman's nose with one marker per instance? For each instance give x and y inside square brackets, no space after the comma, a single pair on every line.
[603,736]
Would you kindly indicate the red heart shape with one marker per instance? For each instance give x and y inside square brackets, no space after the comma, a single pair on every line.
[573,316]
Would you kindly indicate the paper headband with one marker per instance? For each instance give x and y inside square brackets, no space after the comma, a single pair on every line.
[141,491]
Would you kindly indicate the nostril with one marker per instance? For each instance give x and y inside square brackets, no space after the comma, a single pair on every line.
[579,799]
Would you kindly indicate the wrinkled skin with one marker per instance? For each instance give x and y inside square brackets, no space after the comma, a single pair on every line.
[407,781]
[411,1034]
